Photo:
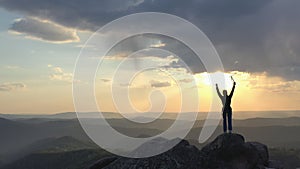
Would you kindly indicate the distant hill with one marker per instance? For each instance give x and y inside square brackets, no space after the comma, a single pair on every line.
[78,159]
[51,145]
[30,134]
[17,134]
[66,115]
[262,122]
[289,157]
[6,124]
[201,115]
[61,144]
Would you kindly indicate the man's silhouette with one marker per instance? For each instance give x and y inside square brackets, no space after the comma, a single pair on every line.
[227,110]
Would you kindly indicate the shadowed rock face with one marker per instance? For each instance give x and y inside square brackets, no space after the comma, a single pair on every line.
[182,156]
[230,151]
[227,151]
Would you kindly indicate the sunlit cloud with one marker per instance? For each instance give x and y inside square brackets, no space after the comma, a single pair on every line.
[272,84]
[58,74]
[45,30]
[158,45]
[250,81]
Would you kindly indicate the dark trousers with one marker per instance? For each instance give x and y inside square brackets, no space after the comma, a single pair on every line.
[227,115]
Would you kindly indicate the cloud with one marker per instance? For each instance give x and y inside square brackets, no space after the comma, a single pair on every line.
[77,13]
[44,30]
[258,82]
[159,84]
[158,45]
[186,80]
[272,84]
[91,15]
[58,74]
[12,86]
[105,80]
[251,36]
[180,56]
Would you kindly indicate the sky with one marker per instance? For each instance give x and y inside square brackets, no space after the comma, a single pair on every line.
[257,41]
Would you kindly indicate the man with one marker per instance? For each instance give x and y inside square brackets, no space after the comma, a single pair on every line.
[227,110]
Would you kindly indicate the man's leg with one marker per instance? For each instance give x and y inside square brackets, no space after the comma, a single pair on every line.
[224,122]
[230,121]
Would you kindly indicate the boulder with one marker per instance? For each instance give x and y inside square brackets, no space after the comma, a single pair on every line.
[230,151]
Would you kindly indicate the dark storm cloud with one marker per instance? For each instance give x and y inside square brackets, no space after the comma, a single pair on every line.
[76,13]
[254,36]
[266,40]
[92,14]
[186,57]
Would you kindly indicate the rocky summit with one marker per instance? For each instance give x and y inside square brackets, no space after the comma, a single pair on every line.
[227,151]
[230,151]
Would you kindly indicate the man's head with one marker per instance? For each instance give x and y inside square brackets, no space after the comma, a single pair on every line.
[224,92]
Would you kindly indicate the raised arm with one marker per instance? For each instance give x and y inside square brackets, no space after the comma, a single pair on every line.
[218,91]
[232,90]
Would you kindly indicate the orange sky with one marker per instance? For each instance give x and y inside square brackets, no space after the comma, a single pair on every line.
[254,92]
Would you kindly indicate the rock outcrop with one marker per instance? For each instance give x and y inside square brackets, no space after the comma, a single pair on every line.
[230,151]
[182,156]
[227,151]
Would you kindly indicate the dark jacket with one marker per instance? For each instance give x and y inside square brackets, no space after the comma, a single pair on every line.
[226,100]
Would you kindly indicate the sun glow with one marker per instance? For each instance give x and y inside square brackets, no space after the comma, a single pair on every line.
[252,91]
[210,79]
